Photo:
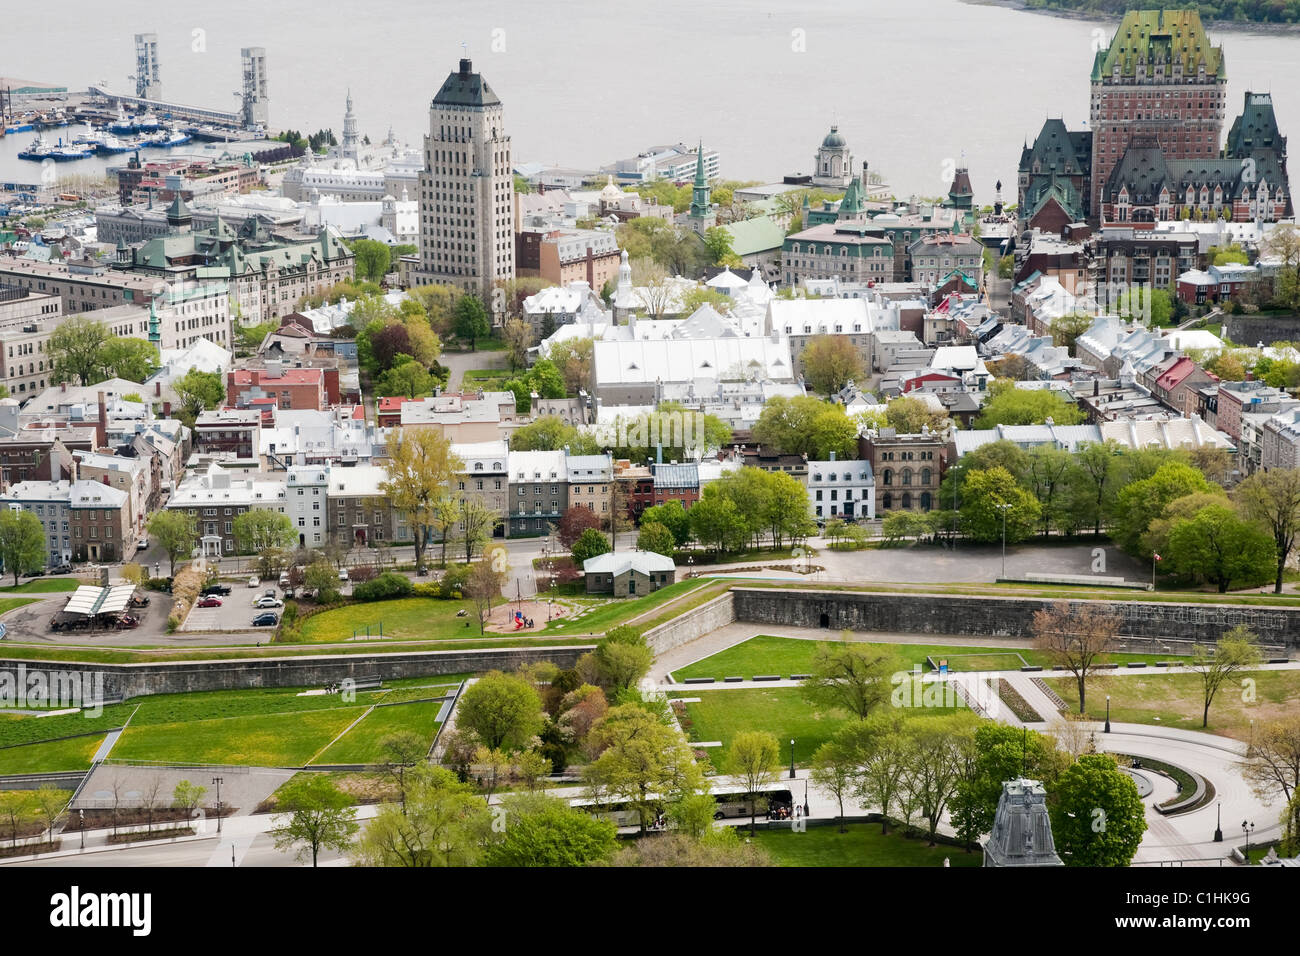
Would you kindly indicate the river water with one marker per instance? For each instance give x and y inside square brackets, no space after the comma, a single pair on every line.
[915,87]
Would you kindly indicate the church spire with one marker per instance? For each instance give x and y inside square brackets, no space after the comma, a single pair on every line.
[701,215]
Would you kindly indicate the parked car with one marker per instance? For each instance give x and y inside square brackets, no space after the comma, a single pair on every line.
[253,581]
[61,569]
[265,601]
[266,620]
[343,574]
[222,589]
[139,600]
[142,544]
[126,621]
[210,601]
[269,592]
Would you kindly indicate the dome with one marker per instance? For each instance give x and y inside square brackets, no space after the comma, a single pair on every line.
[833,139]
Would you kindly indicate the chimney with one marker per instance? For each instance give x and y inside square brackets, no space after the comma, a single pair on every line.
[157,388]
[101,427]
[832,456]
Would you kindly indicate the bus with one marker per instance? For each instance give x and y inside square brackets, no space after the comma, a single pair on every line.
[732,803]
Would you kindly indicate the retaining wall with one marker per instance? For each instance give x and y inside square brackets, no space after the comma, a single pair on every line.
[1001,617]
[691,624]
[139,680]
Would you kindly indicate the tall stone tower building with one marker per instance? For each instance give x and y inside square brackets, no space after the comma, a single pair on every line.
[351,146]
[466,190]
[701,215]
[1161,81]
[834,162]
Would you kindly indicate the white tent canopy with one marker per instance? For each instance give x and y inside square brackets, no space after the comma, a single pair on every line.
[89,600]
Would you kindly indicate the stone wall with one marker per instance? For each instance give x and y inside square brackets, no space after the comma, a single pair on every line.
[692,624]
[1249,329]
[139,680]
[1000,617]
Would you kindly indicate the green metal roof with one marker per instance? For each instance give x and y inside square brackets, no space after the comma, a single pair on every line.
[1168,35]
[752,236]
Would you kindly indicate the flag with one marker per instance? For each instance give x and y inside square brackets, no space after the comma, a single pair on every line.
[1157,557]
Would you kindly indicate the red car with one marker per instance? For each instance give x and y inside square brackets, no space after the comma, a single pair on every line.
[210,602]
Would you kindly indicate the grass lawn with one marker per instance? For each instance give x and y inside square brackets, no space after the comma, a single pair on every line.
[617,611]
[862,845]
[8,604]
[264,740]
[71,754]
[361,744]
[489,379]
[765,654]
[1176,700]
[406,619]
[43,586]
[721,714]
[30,729]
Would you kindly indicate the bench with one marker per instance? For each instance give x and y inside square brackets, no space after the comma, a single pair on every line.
[698,680]
[732,680]
[1031,667]
[766,677]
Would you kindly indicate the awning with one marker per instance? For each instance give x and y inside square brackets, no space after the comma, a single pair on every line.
[89,601]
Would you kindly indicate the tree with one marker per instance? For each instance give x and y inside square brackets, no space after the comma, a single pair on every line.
[1092,482]
[17,807]
[259,530]
[199,391]
[176,531]
[835,770]
[1097,816]
[655,537]
[321,578]
[22,542]
[408,378]
[573,523]
[1272,764]
[621,659]
[315,815]
[483,587]
[715,522]
[807,426]
[879,744]
[49,802]
[420,466]
[74,349]
[445,824]
[477,523]
[1049,469]
[1220,546]
[1076,638]
[1008,405]
[573,357]
[983,518]
[544,831]
[672,515]
[402,751]
[1142,501]
[1272,498]
[938,748]
[128,358]
[589,544]
[830,362]
[754,757]
[717,848]
[546,433]
[1234,651]
[187,796]
[1001,753]
[1067,329]
[1283,244]
[470,320]
[530,768]
[503,710]
[518,337]
[855,677]
[717,240]
[372,259]
[909,415]
[642,760]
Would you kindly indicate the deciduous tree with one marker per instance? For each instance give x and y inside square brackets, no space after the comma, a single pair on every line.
[176,531]
[503,710]
[1097,816]
[1272,498]
[22,542]
[314,815]
[1076,637]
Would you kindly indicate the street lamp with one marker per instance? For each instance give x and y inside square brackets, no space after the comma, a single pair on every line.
[1004,508]
[791,758]
[1107,730]
[1248,829]
[1218,822]
[81,825]
[805,799]
[217,782]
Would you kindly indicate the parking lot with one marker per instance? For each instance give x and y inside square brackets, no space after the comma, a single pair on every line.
[236,612]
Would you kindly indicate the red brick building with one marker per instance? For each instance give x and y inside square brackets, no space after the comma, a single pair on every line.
[296,388]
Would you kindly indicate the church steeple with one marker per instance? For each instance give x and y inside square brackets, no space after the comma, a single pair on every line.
[702,215]
[350,148]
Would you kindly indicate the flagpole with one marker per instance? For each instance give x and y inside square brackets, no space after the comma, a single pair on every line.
[1154,559]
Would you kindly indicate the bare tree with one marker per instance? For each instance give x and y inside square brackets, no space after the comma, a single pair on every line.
[151,800]
[1272,763]
[655,287]
[1076,637]
[1233,652]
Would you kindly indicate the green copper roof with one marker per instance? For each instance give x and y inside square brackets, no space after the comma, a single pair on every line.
[851,204]
[1159,36]
[700,181]
[752,236]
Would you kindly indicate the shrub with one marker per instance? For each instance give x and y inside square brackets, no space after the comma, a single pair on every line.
[385,587]
[427,589]
[362,573]
[173,622]
[452,583]
[290,612]
[158,584]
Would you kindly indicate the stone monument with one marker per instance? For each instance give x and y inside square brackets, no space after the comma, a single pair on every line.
[1022,831]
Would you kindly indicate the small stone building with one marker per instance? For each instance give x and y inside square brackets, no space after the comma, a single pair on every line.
[628,573]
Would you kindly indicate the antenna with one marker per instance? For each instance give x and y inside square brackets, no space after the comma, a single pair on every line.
[1024,759]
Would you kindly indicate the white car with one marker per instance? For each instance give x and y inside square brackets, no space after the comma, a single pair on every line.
[254,582]
[343,574]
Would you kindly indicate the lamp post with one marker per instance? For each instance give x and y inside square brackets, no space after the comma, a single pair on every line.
[81,826]
[805,800]
[1218,823]
[217,782]
[690,565]
[791,758]
[1004,508]
[1247,828]
[1107,730]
